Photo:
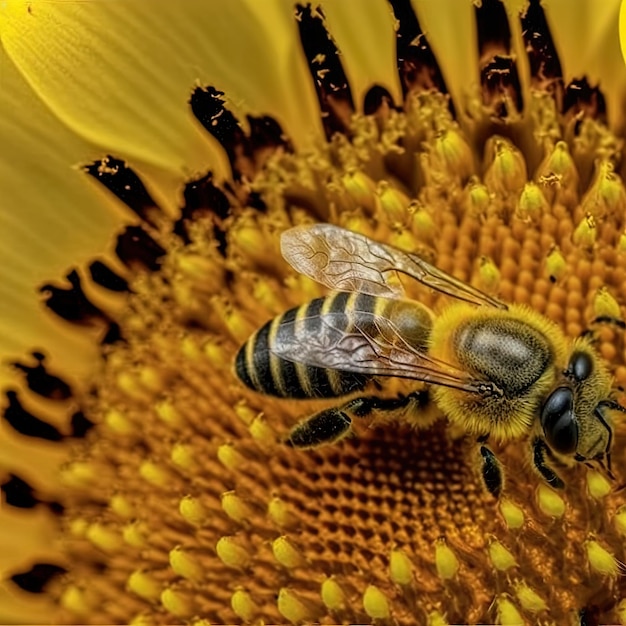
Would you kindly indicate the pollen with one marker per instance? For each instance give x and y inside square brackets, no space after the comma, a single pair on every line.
[181,501]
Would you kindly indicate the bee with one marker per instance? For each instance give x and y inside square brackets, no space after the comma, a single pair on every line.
[495,370]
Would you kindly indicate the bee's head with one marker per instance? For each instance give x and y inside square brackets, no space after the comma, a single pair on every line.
[574,417]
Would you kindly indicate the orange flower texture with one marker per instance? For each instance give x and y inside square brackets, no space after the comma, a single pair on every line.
[353,464]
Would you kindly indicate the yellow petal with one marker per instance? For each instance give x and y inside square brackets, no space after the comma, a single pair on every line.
[453,42]
[120,74]
[587,41]
[50,220]
[365,35]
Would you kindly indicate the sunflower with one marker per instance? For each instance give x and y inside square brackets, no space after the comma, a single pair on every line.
[154,153]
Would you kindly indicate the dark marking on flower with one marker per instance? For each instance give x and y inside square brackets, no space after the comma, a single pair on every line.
[209,107]
[246,152]
[376,98]
[41,382]
[202,197]
[37,577]
[329,78]
[19,494]
[417,65]
[499,77]
[581,97]
[71,303]
[122,181]
[138,250]
[80,425]
[25,423]
[104,276]
[545,66]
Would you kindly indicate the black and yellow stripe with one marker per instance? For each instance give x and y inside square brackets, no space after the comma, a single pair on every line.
[258,368]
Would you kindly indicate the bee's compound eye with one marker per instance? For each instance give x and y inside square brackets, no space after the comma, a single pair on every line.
[580,366]
[557,421]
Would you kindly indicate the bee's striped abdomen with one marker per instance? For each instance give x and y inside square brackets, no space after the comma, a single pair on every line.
[258,368]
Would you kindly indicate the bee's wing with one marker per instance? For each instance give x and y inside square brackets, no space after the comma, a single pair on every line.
[348,261]
[365,343]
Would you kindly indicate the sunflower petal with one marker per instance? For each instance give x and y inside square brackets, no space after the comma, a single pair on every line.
[120,74]
[366,38]
[49,219]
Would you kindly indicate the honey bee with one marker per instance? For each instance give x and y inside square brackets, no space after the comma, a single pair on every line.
[495,370]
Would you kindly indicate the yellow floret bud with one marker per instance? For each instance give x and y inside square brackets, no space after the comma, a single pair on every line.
[606,196]
[507,613]
[393,203]
[333,596]
[280,513]
[550,502]
[452,154]
[400,568]
[122,507]
[216,354]
[236,507]
[287,554]
[193,511]
[558,170]
[478,199]
[229,457]
[103,537]
[245,413]
[244,606]
[152,378]
[621,612]
[375,603]
[169,414]
[585,233]
[78,527]
[556,265]
[155,474]
[118,424]
[600,559]
[598,485]
[489,274]
[261,431]
[528,598]
[620,521]
[532,203]
[185,564]
[507,171]
[446,561]
[512,514]
[77,601]
[294,608]
[437,619]
[177,603]
[232,553]
[605,305]
[78,474]
[144,585]
[136,534]
[130,386]
[501,558]
[183,457]
[422,224]
[360,187]
[198,267]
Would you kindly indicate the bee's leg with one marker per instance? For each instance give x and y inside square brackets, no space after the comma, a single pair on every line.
[331,425]
[323,427]
[540,454]
[491,470]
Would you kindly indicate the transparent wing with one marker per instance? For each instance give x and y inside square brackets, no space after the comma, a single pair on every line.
[348,261]
[365,343]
